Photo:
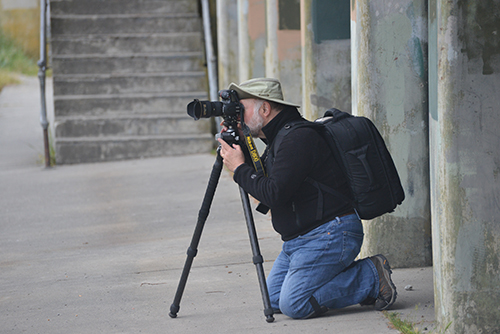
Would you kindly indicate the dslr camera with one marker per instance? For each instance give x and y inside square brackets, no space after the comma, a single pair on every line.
[230,109]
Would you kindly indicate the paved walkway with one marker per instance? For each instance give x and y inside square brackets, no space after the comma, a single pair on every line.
[99,248]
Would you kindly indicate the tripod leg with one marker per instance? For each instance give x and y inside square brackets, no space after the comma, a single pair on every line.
[193,247]
[257,257]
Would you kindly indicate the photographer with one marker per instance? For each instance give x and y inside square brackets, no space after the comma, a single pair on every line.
[316,269]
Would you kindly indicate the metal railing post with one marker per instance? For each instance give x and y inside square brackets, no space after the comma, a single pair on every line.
[42,64]
[211,58]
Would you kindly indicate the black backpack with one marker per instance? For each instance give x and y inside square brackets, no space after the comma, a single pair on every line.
[362,154]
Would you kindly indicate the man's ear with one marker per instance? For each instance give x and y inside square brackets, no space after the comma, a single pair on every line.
[266,109]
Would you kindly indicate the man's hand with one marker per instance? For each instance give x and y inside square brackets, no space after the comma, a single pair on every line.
[233,156]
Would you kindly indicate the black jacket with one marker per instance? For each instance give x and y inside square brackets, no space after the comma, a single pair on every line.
[302,153]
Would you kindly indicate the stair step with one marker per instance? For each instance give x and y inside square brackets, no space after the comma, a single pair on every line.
[128,83]
[121,6]
[130,23]
[123,73]
[127,63]
[129,125]
[126,43]
[79,150]
[143,103]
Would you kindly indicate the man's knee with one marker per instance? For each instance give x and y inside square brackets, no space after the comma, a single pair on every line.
[305,308]
[291,308]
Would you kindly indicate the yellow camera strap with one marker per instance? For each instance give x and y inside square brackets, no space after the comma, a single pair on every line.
[252,150]
[254,156]
[257,162]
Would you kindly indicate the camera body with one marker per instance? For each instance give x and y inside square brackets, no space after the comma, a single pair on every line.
[230,109]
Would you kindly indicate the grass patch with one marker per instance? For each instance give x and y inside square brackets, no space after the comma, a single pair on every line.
[8,78]
[52,152]
[13,61]
[408,327]
[13,58]
[404,326]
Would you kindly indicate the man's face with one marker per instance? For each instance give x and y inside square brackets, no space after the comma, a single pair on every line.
[253,118]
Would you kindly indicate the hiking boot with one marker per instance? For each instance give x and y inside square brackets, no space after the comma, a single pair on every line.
[369,301]
[387,294]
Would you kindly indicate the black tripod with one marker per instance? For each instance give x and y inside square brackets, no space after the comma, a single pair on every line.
[193,248]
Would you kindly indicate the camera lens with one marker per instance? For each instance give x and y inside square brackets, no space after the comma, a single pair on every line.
[204,109]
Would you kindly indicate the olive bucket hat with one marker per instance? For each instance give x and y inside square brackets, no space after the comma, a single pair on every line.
[261,88]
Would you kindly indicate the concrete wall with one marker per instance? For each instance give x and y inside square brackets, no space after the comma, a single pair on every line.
[267,45]
[389,55]
[227,42]
[283,52]
[428,74]
[326,56]
[465,166]
[271,43]
[252,38]
[20,20]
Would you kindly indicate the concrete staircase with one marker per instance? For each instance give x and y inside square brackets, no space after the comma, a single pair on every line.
[123,73]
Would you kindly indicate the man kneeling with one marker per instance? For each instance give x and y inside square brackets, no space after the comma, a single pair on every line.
[322,235]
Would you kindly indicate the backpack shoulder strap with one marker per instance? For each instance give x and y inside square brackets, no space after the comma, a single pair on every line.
[336,114]
[273,149]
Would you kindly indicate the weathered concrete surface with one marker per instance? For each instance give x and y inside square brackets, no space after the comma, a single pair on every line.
[283,51]
[99,248]
[465,165]
[227,42]
[390,87]
[326,60]
[251,39]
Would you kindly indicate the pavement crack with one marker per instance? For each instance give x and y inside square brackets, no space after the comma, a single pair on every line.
[147,283]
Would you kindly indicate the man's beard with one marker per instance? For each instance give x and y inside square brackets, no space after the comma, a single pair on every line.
[255,123]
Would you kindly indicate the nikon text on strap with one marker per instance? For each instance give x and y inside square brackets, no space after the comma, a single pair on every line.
[254,156]
[252,149]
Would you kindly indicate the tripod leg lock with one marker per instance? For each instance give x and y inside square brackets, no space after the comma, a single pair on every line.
[192,252]
[258,259]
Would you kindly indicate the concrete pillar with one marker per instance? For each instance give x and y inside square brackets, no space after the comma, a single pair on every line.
[272,17]
[227,42]
[326,74]
[251,38]
[389,85]
[465,164]
[283,52]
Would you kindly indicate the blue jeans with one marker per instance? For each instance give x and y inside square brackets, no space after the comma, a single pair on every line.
[321,264]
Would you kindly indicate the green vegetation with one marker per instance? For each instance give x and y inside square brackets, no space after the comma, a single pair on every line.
[52,152]
[408,327]
[13,61]
[7,78]
[404,326]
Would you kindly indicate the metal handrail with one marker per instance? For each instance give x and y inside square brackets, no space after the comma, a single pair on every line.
[210,54]
[213,85]
[42,64]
